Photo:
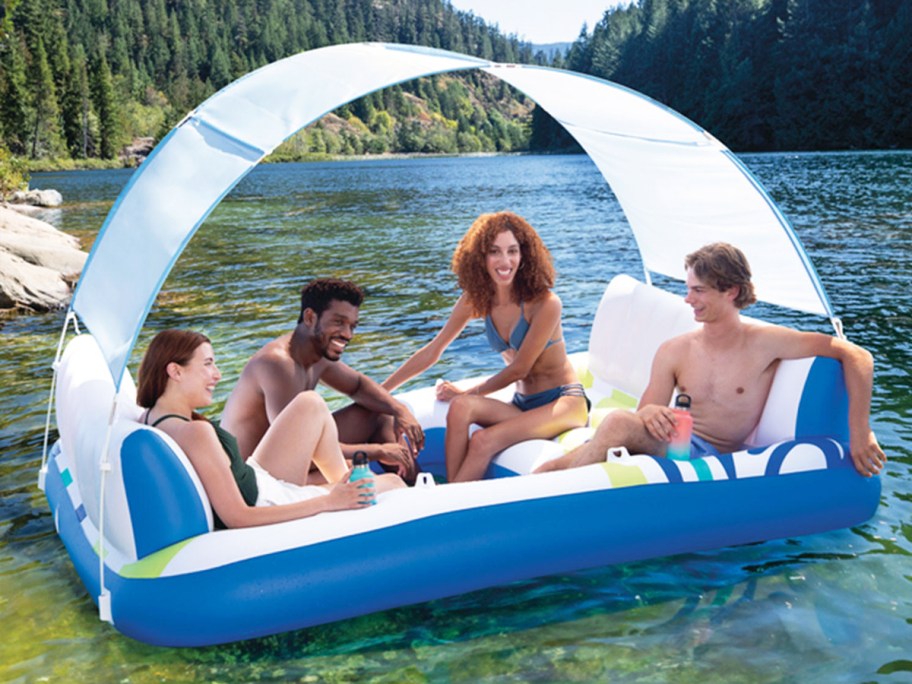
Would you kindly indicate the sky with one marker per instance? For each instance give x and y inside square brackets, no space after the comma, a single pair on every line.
[538,21]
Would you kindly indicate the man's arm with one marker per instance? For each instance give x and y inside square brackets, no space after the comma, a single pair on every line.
[373,397]
[653,409]
[430,353]
[858,368]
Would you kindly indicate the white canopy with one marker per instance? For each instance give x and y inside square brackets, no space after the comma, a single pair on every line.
[678,186]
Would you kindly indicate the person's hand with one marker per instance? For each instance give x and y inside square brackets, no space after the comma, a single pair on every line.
[405,424]
[446,391]
[867,455]
[400,457]
[659,421]
[345,495]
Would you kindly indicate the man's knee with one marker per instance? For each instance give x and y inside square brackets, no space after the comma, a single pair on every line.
[308,401]
[617,424]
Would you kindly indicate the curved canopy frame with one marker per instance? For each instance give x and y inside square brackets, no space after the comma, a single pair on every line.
[679,187]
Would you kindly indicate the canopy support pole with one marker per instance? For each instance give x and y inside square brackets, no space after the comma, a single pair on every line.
[104,596]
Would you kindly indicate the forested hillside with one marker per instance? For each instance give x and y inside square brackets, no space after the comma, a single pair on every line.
[82,78]
[767,74]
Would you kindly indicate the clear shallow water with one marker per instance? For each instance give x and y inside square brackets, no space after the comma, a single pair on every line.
[829,607]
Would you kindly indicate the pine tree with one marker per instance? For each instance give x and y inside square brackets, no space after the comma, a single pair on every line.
[45,124]
[14,110]
[76,107]
[106,106]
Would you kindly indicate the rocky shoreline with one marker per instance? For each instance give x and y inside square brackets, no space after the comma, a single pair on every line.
[39,264]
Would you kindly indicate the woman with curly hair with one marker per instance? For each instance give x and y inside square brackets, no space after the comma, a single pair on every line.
[506,276]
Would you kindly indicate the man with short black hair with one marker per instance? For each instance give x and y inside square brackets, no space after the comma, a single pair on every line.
[295,362]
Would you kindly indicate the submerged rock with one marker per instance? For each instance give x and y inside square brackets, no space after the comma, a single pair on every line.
[38,263]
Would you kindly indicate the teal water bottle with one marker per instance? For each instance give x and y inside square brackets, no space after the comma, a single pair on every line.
[679,446]
[361,471]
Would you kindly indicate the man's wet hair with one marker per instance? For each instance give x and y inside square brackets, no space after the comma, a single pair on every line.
[319,293]
[723,266]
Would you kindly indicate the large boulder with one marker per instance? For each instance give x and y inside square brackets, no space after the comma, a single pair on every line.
[38,263]
[38,198]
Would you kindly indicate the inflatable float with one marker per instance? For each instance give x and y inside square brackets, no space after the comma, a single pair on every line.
[137,523]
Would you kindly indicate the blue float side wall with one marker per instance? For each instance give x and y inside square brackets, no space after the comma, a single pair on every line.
[463,551]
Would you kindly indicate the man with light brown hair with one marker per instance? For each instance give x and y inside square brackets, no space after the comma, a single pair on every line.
[727,367]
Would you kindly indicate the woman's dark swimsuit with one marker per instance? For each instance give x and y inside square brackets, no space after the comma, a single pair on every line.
[527,402]
[243,474]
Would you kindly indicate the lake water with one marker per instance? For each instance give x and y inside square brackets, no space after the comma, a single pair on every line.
[833,607]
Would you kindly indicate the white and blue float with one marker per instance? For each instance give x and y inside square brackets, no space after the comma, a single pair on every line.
[138,525]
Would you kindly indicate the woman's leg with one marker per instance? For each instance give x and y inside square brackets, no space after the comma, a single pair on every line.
[505,425]
[465,410]
[302,433]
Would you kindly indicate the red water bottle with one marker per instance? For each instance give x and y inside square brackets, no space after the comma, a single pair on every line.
[679,446]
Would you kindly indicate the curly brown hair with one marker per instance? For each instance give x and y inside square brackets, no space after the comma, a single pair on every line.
[534,277]
[723,266]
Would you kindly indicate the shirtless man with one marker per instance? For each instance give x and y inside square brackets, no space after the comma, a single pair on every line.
[727,368]
[295,362]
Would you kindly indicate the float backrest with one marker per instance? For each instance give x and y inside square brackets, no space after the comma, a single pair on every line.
[631,321]
[153,496]
[808,398]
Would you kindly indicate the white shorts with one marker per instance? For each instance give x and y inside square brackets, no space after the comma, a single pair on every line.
[275,492]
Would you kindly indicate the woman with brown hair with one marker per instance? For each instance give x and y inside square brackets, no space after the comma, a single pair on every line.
[178,375]
[506,276]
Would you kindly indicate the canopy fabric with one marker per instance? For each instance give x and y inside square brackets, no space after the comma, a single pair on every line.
[678,186]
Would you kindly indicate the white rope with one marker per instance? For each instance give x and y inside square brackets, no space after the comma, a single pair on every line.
[104,596]
[42,472]
[837,326]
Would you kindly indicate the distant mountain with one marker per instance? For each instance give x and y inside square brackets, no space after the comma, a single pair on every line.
[551,50]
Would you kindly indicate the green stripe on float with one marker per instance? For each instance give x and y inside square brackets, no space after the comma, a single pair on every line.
[703,472]
[623,400]
[66,478]
[154,564]
[624,475]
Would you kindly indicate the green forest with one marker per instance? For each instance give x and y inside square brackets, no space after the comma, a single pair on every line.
[766,74]
[81,80]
